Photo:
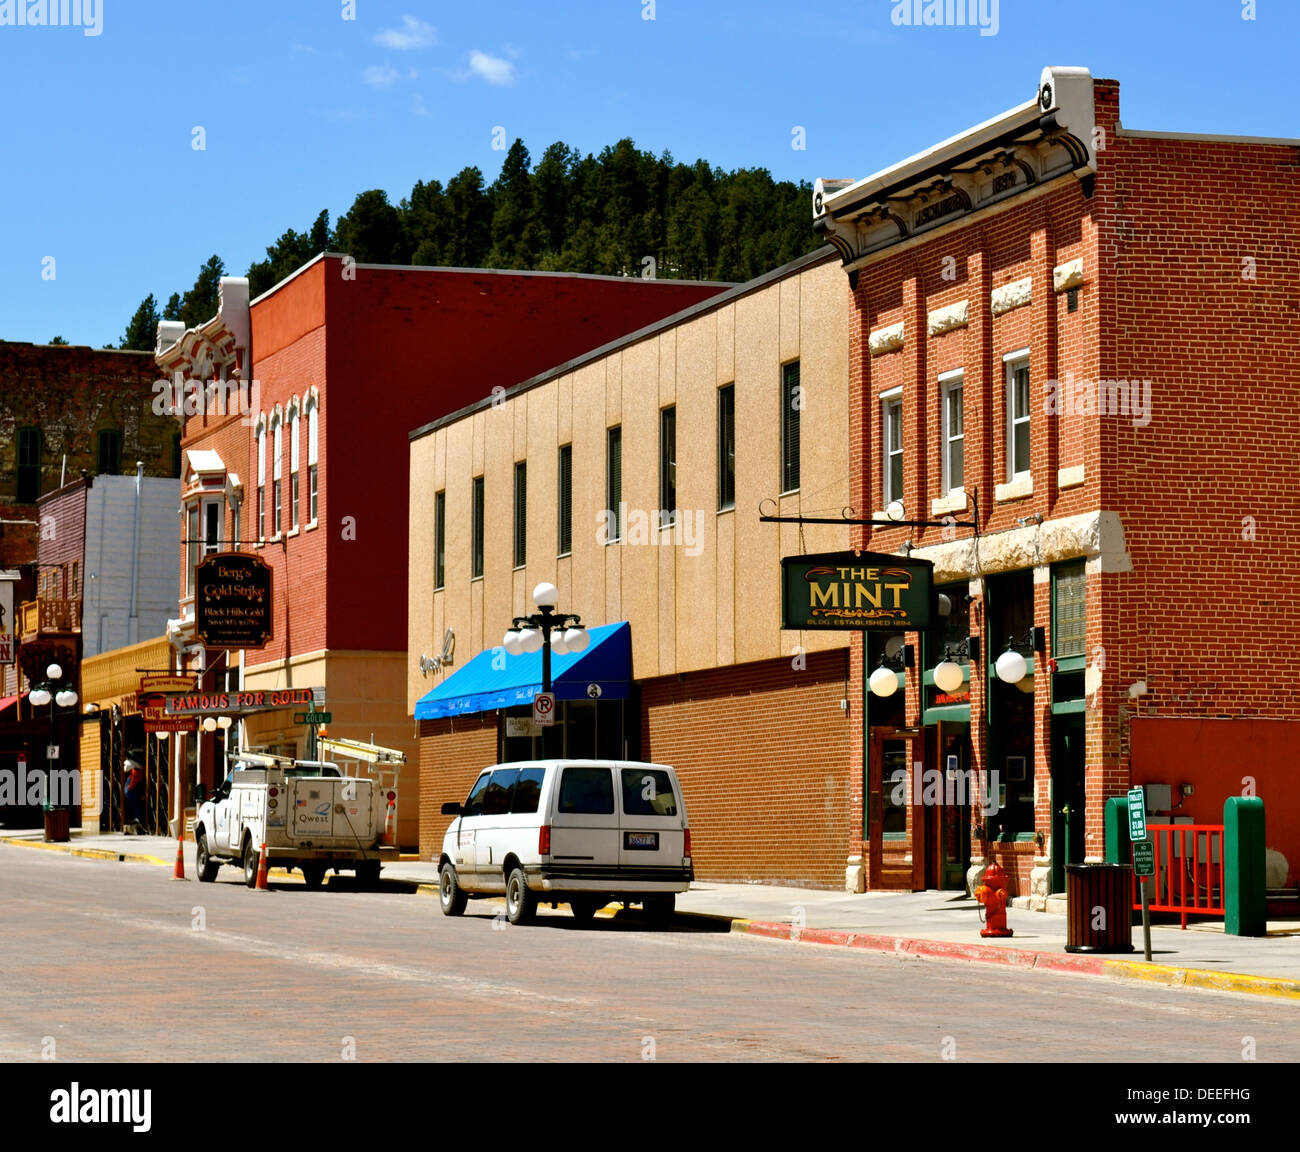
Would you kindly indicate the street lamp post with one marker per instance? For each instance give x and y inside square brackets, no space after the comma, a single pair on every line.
[546,629]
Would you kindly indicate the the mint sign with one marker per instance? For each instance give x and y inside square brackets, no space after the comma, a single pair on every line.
[856,590]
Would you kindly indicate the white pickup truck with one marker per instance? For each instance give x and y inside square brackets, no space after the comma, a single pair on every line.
[310,815]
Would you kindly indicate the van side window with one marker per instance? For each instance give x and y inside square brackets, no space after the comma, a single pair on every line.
[587,790]
[528,790]
[500,792]
[648,792]
[474,805]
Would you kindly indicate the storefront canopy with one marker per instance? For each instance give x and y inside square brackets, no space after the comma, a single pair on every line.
[495,679]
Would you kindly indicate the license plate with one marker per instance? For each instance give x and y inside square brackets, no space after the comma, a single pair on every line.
[644,840]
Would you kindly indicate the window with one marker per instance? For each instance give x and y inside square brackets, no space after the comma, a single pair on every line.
[29,465]
[892,444]
[564,527]
[474,802]
[109,451]
[667,467]
[726,447]
[614,484]
[791,406]
[439,540]
[313,449]
[277,463]
[294,425]
[191,547]
[236,534]
[1069,623]
[74,591]
[476,533]
[212,518]
[528,791]
[951,424]
[1017,416]
[261,481]
[587,790]
[521,513]
[648,792]
[500,793]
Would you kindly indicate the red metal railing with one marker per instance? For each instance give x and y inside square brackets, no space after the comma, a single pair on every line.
[1189,870]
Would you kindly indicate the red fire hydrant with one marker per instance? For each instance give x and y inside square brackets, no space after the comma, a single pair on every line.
[992,893]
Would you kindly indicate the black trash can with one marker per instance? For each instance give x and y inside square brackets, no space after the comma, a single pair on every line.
[57,825]
[1099,907]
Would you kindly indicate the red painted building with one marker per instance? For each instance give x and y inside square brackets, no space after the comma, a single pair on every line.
[1081,339]
[295,447]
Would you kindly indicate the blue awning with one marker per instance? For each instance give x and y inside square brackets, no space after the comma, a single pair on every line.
[495,679]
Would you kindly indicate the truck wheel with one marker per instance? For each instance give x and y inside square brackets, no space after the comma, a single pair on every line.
[521,904]
[206,866]
[451,895]
[368,873]
[659,910]
[313,874]
[250,863]
[584,908]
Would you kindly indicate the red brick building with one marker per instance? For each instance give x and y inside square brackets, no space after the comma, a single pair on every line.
[295,447]
[1083,336]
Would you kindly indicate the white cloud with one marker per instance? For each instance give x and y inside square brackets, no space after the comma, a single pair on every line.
[412,34]
[492,68]
[380,76]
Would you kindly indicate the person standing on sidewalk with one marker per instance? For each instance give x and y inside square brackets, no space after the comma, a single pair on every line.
[134,794]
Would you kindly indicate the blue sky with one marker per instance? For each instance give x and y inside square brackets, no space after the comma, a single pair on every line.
[301,109]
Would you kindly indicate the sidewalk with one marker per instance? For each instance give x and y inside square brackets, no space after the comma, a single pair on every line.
[939,925]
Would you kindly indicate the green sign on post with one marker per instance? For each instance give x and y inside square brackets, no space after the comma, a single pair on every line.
[1144,858]
[1137,813]
[313,717]
[861,591]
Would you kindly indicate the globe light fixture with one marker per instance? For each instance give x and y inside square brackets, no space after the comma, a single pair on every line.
[209,724]
[65,699]
[1011,667]
[224,722]
[54,672]
[576,639]
[546,631]
[163,736]
[948,677]
[558,646]
[530,640]
[546,595]
[39,697]
[883,682]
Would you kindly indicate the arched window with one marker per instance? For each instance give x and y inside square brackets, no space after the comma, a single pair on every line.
[313,447]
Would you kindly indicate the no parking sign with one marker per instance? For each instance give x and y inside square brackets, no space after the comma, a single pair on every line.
[544,708]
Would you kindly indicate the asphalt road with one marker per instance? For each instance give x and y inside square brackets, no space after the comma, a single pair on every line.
[118,962]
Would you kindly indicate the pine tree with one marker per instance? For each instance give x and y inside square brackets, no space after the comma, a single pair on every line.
[142,331]
[371,231]
[201,302]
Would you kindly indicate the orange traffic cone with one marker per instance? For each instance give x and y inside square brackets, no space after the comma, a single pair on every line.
[178,873]
[262,868]
[388,823]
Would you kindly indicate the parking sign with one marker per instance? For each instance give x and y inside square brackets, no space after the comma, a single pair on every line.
[544,708]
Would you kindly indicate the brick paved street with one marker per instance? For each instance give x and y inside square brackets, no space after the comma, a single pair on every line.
[105,958]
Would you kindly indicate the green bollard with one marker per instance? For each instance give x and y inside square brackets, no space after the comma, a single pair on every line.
[1245,896]
[1118,850]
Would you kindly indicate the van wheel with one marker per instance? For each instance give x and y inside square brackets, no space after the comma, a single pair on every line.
[659,910]
[451,895]
[206,866]
[521,904]
[584,908]
[313,875]
[250,863]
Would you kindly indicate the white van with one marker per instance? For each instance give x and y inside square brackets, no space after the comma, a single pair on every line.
[576,832]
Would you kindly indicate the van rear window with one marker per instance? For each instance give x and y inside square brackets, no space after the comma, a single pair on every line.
[587,790]
[648,792]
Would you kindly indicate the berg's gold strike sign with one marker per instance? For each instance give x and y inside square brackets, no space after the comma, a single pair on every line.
[864,590]
[232,601]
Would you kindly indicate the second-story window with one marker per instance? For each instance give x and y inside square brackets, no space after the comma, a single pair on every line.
[313,449]
[261,481]
[667,467]
[439,540]
[294,426]
[791,407]
[564,503]
[614,483]
[277,465]
[521,513]
[109,452]
[892,444]
[951,429]
[1017,415]
[476,533]
[726,447]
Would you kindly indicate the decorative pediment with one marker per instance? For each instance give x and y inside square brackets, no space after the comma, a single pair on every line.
[1041,140]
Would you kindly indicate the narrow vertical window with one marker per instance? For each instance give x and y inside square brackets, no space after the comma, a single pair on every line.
[476,534]
[439,540]
[1017,417]
[726,447]
[667,467]
[294,456]
[191,546]
[313,449]
[791,406]
[277,465]
[892,444]
[521,513]
[29,465]
[261,482]
[564,502]
[109,451]
[236,535]
[614,484]
[954,439]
